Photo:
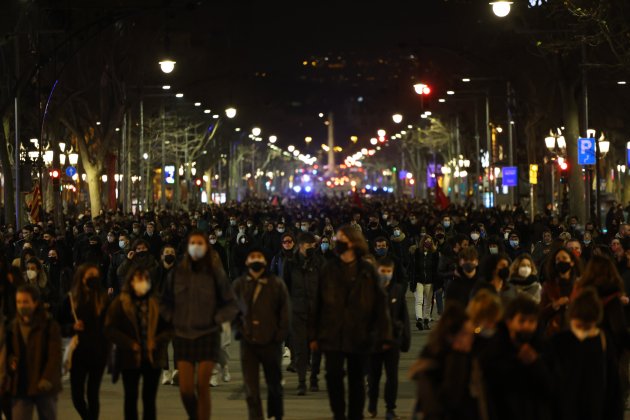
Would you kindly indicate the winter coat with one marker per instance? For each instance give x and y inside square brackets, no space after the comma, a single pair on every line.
[460,287]
[93,346]
[198,302]
[37,359]
[424,268]
[264,309]
[554,320]
[401,331]
[301,276]
[122,329]
[528,286]
[351,314]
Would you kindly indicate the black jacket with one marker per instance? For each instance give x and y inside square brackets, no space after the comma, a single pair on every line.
[424,268]
[351,313]
[155,244]
[401,331]
[460,287]
[301,276]
[265,319]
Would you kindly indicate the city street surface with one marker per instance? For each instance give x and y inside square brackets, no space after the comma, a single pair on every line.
[228,399]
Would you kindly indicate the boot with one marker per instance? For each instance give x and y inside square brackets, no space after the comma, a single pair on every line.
[426,325]
[419,325]
[301,388]
[314,386]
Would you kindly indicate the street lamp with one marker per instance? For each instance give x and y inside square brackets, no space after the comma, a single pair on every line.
[501,8]
[256,131]
[73,158]
[422,89]
[397,118]
[167,66]
[273,139]
[381,133]
[308,139]
[230,112]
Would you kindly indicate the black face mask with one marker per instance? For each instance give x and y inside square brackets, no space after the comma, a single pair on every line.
[310,252]
[52,260]
[524,337]
[468,267]
[91,282]
[257,266]
[341,247]
[562,267]
[169,259]
[504,273]
[373,225]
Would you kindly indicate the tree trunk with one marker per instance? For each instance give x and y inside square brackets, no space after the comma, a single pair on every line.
[94,187]
[7,173]
[570,111]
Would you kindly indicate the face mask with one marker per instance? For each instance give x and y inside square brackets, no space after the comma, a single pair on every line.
[304,228]
[587,242]
[385,278]
[381,252]
[524,337]
[232,222]
[91,282]
[494,250]
[52,260]
[31,274]
[385,216]
[141,254]
[169,259]
[196,251]
[122,244]
[280,230]
[562,267]
[213,241]
[243,241]
[324,246]
[413,221]
[428,245]
[241,230]
[25,312]
[373,225]
[141,288]
[446,224]
[257,266]
[474,236]
[582,335]
[514,244]
[524,271]
[468,267]
[310,252]
[506,235]
[504,273]
[136,231]
[341,247]
[397,233]
[487,332]
[249,225]
[440,236]
[219,233]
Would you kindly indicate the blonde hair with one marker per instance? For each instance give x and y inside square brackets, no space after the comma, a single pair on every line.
[517,263]
[484,307]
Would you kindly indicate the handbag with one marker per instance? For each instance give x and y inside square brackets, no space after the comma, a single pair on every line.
[74,341]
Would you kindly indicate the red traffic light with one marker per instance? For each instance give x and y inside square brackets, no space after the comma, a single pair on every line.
[564,166]
[54,173]
[422,89]
[198,182]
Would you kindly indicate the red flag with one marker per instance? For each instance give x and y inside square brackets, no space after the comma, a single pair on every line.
[440,199]
[35,204]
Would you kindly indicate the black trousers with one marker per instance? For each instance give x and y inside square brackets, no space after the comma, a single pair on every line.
[299,345]
[92,374]
[316,361]
[131,381]
[355,364]
[270,357]
[390,360]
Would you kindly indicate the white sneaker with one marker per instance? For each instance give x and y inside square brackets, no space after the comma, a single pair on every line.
[287,353]
[226,375]
[214,380]
[167,378]
[174,377]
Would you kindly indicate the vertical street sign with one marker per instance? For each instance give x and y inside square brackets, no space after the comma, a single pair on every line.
[586,151]
[510,176]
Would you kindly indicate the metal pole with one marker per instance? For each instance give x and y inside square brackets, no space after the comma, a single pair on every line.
[18,184]
[478,163]
[510,139]
[489,149]
[587,178]
[145,181]
[553,186]
[163,180]
[331,144]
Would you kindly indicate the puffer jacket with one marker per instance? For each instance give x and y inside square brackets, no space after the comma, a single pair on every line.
[351,314]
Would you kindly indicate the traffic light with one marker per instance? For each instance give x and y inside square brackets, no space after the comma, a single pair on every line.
[56,182]
[564,170]
[198,182]
[422,88]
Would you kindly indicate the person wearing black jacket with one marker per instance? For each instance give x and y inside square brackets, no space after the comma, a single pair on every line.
[263,324]
[424,266]
[382,249]
[401,341]
[114,282]
[83,313]
[351,320]
[153,239]
[465,277]
[301,276]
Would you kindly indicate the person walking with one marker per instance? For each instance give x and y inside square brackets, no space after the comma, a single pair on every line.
[199,301]
[263,324]
[424,266]
[83,313]
[134,325]
[350,321]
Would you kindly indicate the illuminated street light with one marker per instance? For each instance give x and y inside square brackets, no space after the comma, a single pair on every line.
[501,8]
[166,87]
[397,118]
[256,131]
[291,148]
[179,95]
[273,139]
[441,100]
[465,80]
[197,103]
[373,141]
[381,133]
[422,89]
[354,139]
[206,111]
[450,92]
[230,112]
[167,66]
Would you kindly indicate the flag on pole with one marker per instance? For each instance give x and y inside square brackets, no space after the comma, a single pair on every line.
[441,200]
[35,205]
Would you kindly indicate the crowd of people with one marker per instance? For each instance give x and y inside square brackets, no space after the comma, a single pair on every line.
[527,318]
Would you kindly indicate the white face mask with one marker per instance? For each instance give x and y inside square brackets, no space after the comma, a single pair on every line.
[31,274]
[141,287]
[474,236]
[524,271]
[196,251]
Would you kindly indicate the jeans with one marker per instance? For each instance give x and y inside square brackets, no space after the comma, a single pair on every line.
[390,359]
[131,381]
[270,357]
[355,364]
[423,298]
[79,375]
[46,407]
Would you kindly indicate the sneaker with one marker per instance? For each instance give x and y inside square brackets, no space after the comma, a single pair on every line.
[175,378]
[314,387]
[287,353]
[419,325]
[391,415]
[372,413]
[426,325]
[214,380]
[226,375]
[167,378]
[301,389]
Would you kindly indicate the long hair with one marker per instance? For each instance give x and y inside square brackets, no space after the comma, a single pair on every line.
[517,263]
[451,322]
[601,273]
[131,274]
[206,263]
[490,263]
[552,274]
[81,294]
[356,238]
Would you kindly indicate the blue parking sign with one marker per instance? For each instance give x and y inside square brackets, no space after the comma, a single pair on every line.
[510,176]
[586,151]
